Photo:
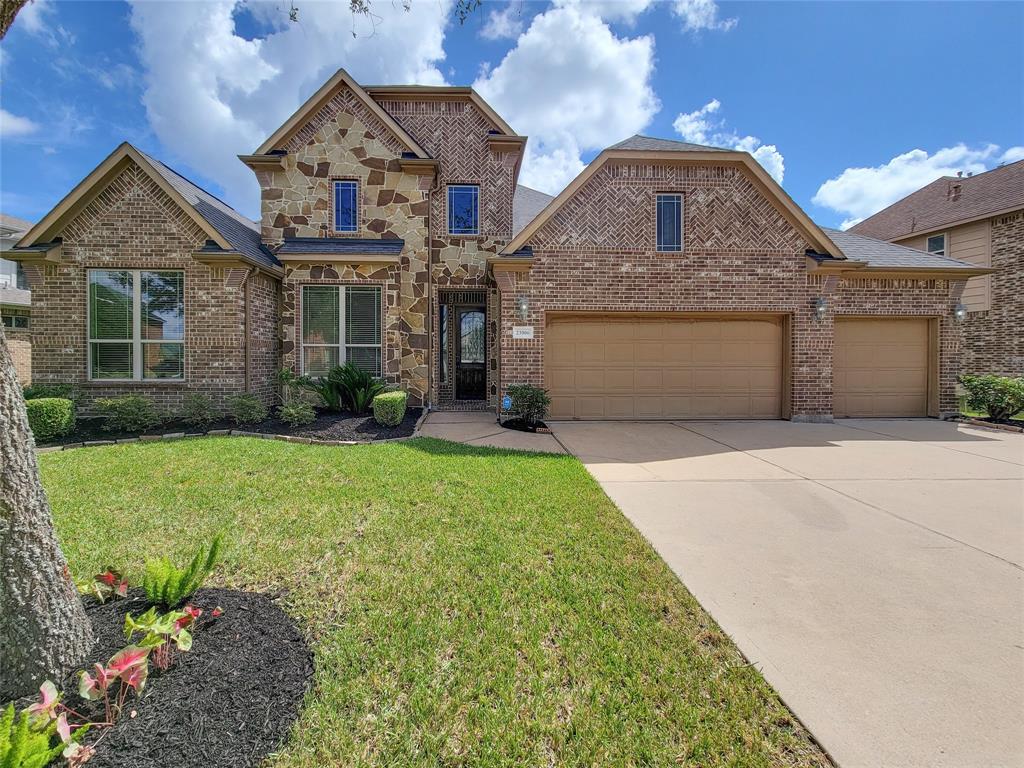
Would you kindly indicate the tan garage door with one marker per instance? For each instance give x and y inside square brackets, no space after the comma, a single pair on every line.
[631,367]
[881,367]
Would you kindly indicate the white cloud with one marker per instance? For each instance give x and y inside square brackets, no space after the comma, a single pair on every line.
[611,10]
[506,23]
[1012,155]
[860,192]
[703,126]
[13,126]
[698,15]
[210,94]
[32,17]
[572,86]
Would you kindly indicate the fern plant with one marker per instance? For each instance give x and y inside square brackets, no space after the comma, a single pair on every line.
[23,746]
[169,585]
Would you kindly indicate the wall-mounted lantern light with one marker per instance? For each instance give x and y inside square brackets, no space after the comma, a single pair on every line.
[959,312]
[523,307]
[820,305]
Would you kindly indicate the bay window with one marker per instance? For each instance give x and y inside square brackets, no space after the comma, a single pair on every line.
[136,322]
[341,323]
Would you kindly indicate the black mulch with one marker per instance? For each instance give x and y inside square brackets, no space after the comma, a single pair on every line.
[521,426]
[342,425]
[1010,422]
[229,702]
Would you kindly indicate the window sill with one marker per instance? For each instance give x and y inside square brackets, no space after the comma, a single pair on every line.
[134,383]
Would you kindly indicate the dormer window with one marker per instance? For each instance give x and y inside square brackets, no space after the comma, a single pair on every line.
[669,214]
[463,209]
[937,244]
[346,206]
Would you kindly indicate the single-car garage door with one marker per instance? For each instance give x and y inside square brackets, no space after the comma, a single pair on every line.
[663,367]
[880,367]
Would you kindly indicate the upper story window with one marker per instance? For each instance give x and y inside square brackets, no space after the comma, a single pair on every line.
[669,216]
[464,209]
[15,321]
[346,206]
[937,244]
[136,324]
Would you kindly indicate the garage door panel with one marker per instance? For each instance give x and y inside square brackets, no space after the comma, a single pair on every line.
[880,367]
[662,368]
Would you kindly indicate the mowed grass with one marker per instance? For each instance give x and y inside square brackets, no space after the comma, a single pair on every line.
[466,606]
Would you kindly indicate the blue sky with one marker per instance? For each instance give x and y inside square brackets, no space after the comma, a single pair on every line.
[850,105]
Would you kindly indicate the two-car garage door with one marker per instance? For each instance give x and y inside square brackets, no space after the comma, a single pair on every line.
[657,367]
[623,366]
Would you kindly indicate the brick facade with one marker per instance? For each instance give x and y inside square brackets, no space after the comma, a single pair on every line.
[133,224]
[994,339]
[20,345]
[597,254]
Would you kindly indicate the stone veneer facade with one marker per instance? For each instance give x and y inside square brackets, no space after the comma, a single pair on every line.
[994,339]
[133,224]
[597,253]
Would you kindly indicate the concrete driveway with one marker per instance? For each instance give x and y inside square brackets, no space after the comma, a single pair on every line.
[872,569]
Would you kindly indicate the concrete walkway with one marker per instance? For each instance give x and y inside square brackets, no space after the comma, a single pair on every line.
[481,428]
[873,570]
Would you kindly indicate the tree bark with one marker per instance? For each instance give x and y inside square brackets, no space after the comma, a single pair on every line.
[8,10]
[44,631]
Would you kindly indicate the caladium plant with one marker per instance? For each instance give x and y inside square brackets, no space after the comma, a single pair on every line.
[163,633]
[105,585]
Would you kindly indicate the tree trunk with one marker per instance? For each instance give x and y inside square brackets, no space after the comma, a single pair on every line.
[44,631]
[8,10]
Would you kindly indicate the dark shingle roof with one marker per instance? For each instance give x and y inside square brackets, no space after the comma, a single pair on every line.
[651,144]
[526,204]
[878,253]
[341,246]
[242,233]
[934,206]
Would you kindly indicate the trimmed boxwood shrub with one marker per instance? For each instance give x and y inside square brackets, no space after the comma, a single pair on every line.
[37,391]
[389,408]
[50,417]
[1001,397]
[197,410]
[127,413]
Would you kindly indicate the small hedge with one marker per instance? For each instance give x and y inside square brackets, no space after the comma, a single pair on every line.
[50,417]
[247,409]
[1001,397]
[39,391]
[389,408]
[529,403]
[127,413]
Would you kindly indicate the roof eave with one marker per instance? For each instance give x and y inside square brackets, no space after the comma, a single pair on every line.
[263,162]
[341,258]
[236,259]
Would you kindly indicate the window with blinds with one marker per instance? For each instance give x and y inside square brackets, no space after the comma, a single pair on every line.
[136,324]
[341,324]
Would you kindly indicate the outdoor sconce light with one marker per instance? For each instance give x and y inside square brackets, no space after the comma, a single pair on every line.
[959,312]
[523,307]
[820,305]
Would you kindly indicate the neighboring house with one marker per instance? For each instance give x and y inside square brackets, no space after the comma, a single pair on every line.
[978,219]
[669,280]
[15,298]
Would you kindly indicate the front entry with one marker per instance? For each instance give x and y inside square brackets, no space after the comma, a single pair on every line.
[470,353]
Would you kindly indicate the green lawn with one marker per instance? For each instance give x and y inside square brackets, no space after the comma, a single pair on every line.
[466,606]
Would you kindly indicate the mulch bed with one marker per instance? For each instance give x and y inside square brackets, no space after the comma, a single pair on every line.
[1017,423]
[342,425]
[227,703]
[521,426]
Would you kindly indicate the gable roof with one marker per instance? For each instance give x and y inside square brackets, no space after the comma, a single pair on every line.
[232,232]
[879,254]
[937,205]
[526,204]
[341,79]
[634,149]
[442,91]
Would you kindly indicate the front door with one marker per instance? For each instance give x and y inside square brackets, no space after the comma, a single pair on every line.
[470,347]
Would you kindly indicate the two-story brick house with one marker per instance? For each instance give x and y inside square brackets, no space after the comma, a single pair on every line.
[668,280]
[978,219]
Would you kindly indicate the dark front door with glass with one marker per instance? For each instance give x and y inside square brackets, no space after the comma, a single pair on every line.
[470,346]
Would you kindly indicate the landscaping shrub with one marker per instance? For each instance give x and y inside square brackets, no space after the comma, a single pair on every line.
[529,403]
[389,408]
[247,409]
[296,412]
[197,410]
[50,417]
[168,585]
[127,413]
[999,396]
[357,387]
[327,388]
[38,391]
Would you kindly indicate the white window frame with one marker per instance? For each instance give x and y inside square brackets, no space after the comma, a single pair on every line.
[334,203]
[682,225]
[136,341]
[945,244]
[342,339]
[448,209]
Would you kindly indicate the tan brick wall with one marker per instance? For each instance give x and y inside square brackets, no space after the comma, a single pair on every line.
[741,255]
[133,224]
[994,339]
[21,351]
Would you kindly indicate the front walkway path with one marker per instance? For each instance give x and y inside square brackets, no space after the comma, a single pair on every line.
[481,428]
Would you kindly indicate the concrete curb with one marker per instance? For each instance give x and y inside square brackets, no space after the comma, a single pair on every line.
[992,425]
